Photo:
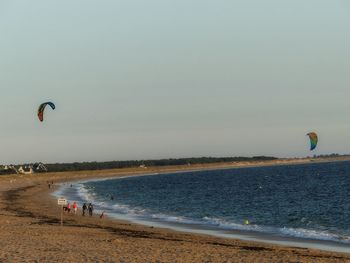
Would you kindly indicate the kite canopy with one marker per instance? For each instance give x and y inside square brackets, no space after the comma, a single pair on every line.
[313,140]
[42,109]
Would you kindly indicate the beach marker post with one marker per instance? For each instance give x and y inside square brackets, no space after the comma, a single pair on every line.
[62,201]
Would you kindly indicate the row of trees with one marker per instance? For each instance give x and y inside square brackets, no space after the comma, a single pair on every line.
[80,166]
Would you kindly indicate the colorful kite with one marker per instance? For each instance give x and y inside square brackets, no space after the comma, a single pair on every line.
[42,109]
[313,140]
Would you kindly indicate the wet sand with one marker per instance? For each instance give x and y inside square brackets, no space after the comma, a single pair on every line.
[31,231]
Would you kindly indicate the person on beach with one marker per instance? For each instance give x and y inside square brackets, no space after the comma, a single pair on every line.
[102,215]
[68,207]
[75,207]
[84,209]
[91,209]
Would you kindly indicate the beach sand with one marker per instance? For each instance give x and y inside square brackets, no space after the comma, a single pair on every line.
[31,232]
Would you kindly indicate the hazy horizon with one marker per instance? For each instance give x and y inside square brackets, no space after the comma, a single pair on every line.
[164,79]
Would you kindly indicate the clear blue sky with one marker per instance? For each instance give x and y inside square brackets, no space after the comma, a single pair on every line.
[138,79]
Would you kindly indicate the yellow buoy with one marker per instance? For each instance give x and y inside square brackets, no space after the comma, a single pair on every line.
[246,222]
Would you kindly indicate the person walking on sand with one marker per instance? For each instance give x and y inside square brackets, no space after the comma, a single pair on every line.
[84,209]
[75,207]
[68,207]
[91,209]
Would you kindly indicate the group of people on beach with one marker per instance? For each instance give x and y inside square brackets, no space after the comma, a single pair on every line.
[68,208]
[49,184]
[89,208]
[86,208]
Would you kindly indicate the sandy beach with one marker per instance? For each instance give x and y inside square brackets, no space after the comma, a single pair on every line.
[31,231]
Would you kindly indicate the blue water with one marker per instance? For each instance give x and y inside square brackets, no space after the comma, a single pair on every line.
[306,201]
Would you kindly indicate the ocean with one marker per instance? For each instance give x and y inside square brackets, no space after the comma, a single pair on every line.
[294,203]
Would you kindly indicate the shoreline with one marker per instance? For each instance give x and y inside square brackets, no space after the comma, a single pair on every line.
[30,214]
[198,227]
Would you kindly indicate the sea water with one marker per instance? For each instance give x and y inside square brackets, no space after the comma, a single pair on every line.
[310,201]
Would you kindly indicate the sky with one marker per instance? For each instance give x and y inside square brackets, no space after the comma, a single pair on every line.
[135,79]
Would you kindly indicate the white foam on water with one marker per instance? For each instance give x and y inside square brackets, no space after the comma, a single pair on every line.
[314,234]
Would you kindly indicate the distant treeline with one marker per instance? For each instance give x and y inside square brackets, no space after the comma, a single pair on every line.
[80,166]
[329,155]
